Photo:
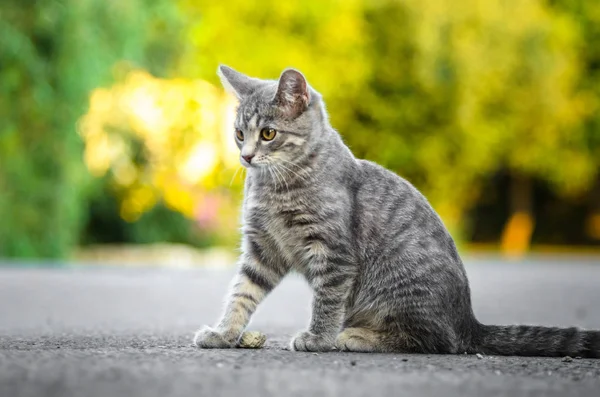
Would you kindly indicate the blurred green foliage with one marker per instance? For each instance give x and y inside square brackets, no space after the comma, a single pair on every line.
[159,224]
[446,94]
[53,53]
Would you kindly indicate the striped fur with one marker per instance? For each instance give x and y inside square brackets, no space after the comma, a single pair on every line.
[385,272]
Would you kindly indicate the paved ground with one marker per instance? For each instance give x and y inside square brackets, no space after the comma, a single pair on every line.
[127,332]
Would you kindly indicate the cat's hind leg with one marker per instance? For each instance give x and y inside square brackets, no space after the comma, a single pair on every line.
[359,340]
[364,340]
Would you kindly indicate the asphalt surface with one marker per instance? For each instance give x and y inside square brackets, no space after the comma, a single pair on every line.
[93,331]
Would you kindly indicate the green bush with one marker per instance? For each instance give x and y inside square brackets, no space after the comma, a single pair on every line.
[53,53]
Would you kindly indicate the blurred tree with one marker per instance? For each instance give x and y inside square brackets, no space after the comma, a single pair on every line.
[586,14]
[158,224]
[52,54]
[474,95]
[160,145]
[324,39]
[446,95]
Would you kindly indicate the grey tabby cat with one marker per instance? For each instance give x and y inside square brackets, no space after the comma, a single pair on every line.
[385,272]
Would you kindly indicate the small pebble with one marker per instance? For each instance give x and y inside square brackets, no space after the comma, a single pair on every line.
[353,363]
[405,359]
[578,358]
[252,340]
[479,356]
[497,372]
[567,359]
[220,365]
[524,365]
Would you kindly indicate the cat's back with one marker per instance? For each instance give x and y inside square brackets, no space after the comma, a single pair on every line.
[382,194]
[396,219]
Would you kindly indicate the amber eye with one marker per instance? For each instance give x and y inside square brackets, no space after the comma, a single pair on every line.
[268,134]
[239,134]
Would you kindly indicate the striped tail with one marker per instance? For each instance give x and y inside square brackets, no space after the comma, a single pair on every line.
[525,340]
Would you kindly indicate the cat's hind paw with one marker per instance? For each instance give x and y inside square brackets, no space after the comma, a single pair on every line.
[357,340]
[208,338]
[308,342]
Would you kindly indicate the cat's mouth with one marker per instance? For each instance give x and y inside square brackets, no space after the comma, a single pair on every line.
[259,161]
[253,164]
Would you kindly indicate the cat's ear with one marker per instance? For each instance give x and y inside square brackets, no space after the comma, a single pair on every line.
[293,93]
[236,83]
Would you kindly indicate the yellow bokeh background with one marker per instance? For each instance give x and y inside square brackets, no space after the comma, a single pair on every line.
[114,118]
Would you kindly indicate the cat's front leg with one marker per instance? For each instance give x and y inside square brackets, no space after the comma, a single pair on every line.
[251,285]
[331,280]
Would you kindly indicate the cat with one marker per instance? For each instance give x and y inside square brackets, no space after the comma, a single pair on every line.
[385,272]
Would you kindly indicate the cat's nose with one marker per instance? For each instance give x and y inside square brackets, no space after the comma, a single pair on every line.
[248,158]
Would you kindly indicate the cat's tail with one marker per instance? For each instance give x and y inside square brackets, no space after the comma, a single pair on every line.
[525,340]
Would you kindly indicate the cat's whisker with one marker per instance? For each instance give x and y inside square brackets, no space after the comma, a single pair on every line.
[234,175]
[300,169]
[284,171]
[292,163]
[295,173]
[278,170]
[276,174]
[272,176]
[290,173]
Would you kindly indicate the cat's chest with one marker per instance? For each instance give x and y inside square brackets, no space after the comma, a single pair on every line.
[285,223]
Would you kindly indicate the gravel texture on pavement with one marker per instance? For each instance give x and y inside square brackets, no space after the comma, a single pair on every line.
[106,331]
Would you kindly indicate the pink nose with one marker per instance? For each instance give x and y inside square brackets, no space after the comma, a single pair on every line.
[248,158]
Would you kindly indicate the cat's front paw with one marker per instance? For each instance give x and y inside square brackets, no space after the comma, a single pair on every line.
[208,338]
[308,342]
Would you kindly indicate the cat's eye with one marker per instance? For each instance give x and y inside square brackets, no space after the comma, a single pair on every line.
[267,134]
[239,134]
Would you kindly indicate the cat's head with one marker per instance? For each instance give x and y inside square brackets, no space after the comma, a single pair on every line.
[276,120]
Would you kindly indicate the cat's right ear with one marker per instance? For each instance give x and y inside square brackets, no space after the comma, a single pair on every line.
[236,83]
[293,94]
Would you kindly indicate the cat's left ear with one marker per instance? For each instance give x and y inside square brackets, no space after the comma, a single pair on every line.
[237,83]
[293,93]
